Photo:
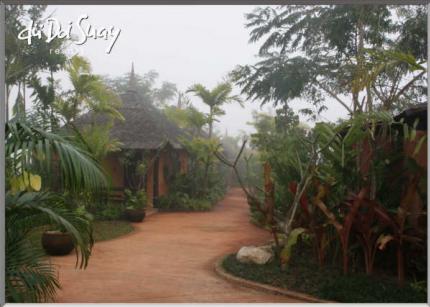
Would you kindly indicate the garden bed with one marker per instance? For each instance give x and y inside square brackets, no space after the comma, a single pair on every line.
[327,283]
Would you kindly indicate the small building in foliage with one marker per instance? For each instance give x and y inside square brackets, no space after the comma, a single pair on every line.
[413,145]
[416,117]
[152,151]
[404,146]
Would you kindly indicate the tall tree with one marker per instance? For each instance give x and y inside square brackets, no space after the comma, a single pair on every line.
[188,118]
[320,52]
[145,85]
[25,61]
[214,99]
[88,93]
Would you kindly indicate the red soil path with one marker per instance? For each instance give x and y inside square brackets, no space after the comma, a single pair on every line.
[168,258]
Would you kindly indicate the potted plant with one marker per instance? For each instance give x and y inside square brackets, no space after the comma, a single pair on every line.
[59,242]
[135,203]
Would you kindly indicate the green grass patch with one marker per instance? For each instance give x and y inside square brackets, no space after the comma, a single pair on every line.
[305,275]
[108,230]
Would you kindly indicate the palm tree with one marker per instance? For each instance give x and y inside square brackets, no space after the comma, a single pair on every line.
[89,92]
[215,99]
[31,150]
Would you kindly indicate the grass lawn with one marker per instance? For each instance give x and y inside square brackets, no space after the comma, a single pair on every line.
[102,231]
[107,230]
[304,275]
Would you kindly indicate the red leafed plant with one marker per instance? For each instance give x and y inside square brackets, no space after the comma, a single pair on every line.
[343,226]
[403,225]
[311,221]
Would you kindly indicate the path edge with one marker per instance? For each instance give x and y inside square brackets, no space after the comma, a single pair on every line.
[218,267]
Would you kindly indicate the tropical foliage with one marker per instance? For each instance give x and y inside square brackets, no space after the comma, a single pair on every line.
[24,62]
[355,190]
[48,168]
[30,153]
[352,55]
[205,181]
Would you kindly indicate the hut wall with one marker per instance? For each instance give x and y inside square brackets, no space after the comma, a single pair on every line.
[150,186]
[162,184]
[114,168]
[408,147]
[183,158]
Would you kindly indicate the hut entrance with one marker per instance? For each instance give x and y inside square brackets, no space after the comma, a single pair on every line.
[131,160]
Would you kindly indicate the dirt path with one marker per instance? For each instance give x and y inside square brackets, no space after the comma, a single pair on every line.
[168,258]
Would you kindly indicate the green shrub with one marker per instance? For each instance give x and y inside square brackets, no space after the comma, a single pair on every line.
[112,211]
[182,202]
[361,288]
[135,199]
[185,194]
[199,205]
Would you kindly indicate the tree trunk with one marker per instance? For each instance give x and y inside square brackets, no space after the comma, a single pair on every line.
[207,165]
[23,96]
[345,259]
[319,245]
[269,202]
[51,107]
[7,102]
[17,104]
[368,261]
[360,65]
[369,100]
[210,122]
[400,265]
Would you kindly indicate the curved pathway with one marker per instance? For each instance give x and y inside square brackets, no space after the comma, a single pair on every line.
[168,258]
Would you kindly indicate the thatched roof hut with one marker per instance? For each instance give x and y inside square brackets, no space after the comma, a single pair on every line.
[151,135]
[144,127]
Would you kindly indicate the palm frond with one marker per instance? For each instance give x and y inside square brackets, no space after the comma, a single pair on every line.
[30,278]
[26,144]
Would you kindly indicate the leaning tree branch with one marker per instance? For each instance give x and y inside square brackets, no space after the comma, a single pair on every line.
[233,165]
[332,94]
[408,85]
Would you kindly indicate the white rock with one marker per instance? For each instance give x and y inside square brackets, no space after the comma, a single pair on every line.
[254,254]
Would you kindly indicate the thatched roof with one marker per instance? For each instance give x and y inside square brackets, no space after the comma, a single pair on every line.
[417,112]
[144,127]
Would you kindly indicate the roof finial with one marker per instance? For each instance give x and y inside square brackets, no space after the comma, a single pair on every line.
[132,83]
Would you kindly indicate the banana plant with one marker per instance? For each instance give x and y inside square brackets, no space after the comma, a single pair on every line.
[367,229]
[343,226]
[311,218]
[291,241]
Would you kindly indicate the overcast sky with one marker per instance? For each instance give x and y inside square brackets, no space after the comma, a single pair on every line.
[184,44]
